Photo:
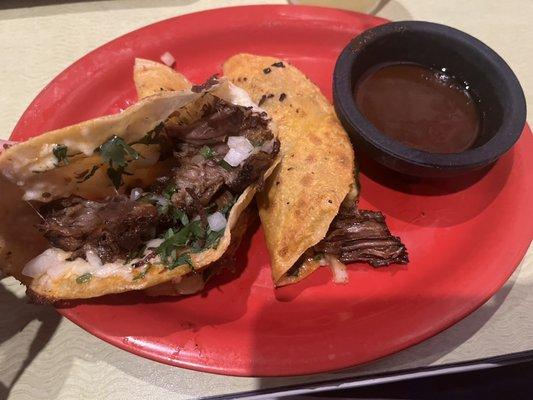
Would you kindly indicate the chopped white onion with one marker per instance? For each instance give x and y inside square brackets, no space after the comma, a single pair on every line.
[240,149]
[338,269]
[40,264]
[154,243]
[241,97]
[216,221]
[93,259]
[135,194]
[234,157]
[192,283]
[56,270]
[52,264]
[240,143]
[168,58]
[268,146]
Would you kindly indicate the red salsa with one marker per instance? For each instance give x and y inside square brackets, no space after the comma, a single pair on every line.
[421,107]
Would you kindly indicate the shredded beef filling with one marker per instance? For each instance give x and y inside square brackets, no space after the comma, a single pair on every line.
[199,183]
[219,120]
[362,236]
[206,177]
[111,228]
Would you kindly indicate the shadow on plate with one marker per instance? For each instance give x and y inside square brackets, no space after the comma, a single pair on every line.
[420,355]
[323,276]
[432,202]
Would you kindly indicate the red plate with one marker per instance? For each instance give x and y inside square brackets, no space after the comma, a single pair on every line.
[465,236]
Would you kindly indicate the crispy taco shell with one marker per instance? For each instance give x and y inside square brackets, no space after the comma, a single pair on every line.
[316,173]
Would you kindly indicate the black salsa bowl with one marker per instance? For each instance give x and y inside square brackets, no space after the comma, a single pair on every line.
[500,99]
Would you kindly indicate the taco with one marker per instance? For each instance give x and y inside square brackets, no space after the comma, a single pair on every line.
[308,208]
[133,200]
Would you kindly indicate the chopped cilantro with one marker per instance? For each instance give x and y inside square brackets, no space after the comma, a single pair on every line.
[227,208]
[225,165]
[169,190]
[152,137]
[114,152]
[173,241]
[184,219]
[60,153]
[198,233]
[197,229]
[317,257]
[196,246]
[165,208]
[184,259]
[178,215]
[213,237]
[115,175]
[207,152]
[137,253]
[84,278]
[87,174]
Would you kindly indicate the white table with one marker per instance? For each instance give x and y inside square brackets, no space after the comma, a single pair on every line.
[45,356]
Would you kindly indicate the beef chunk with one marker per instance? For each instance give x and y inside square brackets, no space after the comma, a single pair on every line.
[111,228]
[200,179]
[251,170]
[219,120]
[203,177]
[206,178]
[362,236]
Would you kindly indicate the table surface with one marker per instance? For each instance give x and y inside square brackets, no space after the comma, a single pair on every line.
[45,356]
